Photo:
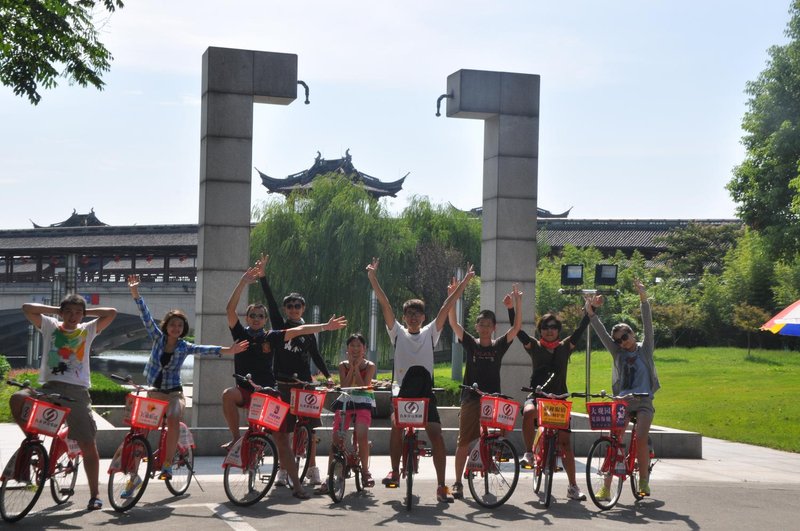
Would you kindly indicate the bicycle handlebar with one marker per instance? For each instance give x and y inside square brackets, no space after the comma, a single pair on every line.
[294,380]
[248,378]
[38,392]
[474,387]
[539,391]
[604,394]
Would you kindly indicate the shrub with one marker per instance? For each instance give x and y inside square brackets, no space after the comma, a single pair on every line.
[5,367]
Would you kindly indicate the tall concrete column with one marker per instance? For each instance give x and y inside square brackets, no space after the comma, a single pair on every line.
[509,106]
[233,80]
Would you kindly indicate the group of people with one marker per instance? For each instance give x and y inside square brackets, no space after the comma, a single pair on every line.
[280,356]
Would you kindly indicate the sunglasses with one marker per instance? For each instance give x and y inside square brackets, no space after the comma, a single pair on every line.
[620,339]
[256,316]
[550,327]
[293,305]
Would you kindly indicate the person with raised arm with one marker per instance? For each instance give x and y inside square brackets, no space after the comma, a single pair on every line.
[66,346]
[413,370]
[483,359]
[633,371]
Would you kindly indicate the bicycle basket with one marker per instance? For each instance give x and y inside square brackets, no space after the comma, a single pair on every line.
[143,412]
[267,411]
[410,412]
[307,402]
[43,417]
[553,413]
[498,412]
[606,415]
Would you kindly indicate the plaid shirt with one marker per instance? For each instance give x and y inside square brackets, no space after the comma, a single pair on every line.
[171,376]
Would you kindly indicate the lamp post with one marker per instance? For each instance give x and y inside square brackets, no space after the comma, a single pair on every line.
[604,275]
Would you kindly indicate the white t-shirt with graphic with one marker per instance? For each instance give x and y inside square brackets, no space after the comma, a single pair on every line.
[412,349]
[65,353]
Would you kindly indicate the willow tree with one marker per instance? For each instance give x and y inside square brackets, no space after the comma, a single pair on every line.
[320,242]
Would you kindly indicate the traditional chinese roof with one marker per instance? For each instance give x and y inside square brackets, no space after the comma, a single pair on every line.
[540,213]
[77,220]
[344,166]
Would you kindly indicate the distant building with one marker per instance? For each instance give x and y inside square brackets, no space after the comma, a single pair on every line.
[344,166]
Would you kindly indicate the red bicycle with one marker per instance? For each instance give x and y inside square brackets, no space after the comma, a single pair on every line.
[31,465]
[410,414]
[307,400]
[553,415]
[135,462]
[608,461]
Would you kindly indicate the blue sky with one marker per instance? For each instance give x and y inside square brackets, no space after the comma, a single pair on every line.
[641,103]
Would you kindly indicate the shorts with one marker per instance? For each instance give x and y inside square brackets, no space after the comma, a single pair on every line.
[82,427]
[176,402]
[362,417]
[469,427]
[645,411]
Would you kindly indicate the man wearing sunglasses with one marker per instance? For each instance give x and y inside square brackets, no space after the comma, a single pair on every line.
[633,371]
[256,360]
[292,360]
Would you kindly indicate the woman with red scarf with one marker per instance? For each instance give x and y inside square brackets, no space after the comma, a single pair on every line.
[550,357]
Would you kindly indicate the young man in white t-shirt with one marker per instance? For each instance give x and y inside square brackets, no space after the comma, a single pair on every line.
[413,369]
[66,346]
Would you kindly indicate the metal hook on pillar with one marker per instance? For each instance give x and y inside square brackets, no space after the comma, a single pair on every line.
[303,84]
[439,102]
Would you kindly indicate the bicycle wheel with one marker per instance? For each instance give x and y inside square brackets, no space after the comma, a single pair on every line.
[245,486]
[126,486]
[356,471]
[301,446]
[599,474]
[494,485]
[410,469]
[539,453]
[337,473]
[20,491]
[65,474]
[182,471]
[549,469]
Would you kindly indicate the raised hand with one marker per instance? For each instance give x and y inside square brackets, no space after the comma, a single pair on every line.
[236,348]
[133,284]
[335,323]
[640,288]
[508,302]
[373,267]
[261,265]
[251,275]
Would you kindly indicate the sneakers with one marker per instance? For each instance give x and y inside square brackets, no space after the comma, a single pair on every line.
[392,480]
[283,478]
[644,487]
[95,504]
[166,472]
[574,493]
[604,494]
[443,494]
[367,481]
[130,487]
[313,475]
[458,491]
[527,461]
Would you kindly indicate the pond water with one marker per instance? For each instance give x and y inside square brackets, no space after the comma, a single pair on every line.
[125,362]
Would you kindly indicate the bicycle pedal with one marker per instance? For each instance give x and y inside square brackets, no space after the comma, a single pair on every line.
[527,466]
[392,485]
[503,460]
[68,492]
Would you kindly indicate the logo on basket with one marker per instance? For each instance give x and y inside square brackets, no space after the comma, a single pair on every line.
[487,410]
[311,400]
[50,415]
[620,415]
[508,410]
[151,407]
[475,455]
[411,408]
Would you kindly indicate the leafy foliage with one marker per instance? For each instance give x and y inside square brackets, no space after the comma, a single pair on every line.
[40,36]
[766,184]
[5,366]
[699,247]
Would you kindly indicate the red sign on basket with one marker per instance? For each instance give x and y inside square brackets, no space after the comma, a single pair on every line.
[410,412]
[606,415]
[267,411]
[498,412]
[43,417]
[307,403]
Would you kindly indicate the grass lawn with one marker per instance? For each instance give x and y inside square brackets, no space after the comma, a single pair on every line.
[718,392]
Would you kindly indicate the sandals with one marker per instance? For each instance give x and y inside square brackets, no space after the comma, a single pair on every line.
[300,494]
[227,445]
[95,504]
[367,481]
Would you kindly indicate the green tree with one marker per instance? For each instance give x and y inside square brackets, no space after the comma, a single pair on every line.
[749,272]
[698,247]
[766,184]
[786,286]
[749,318]
[41,36]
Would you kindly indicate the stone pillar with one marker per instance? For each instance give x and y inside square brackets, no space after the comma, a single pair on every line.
[232,81]
[509,106]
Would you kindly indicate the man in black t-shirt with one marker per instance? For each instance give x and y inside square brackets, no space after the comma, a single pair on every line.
[255,361]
